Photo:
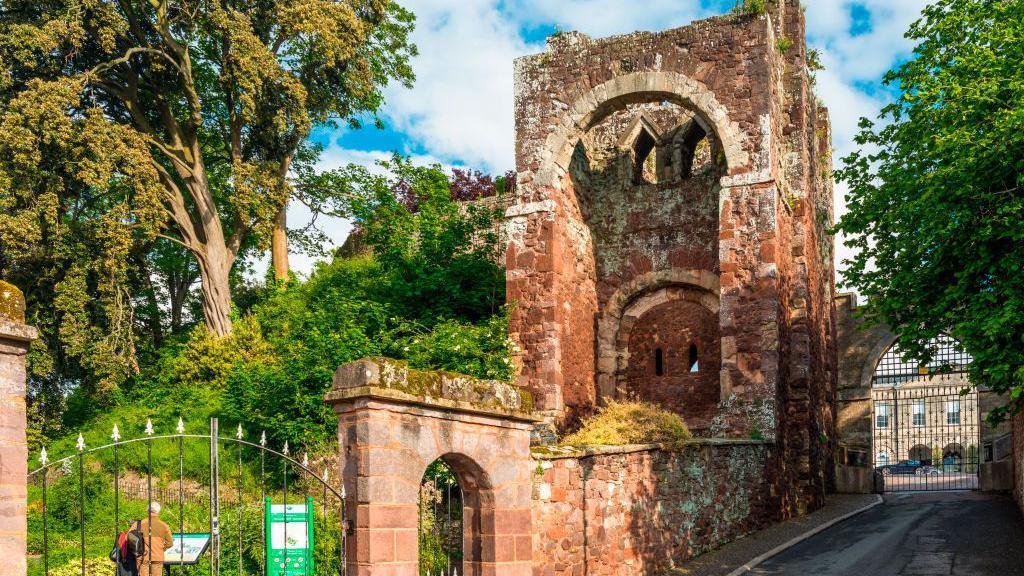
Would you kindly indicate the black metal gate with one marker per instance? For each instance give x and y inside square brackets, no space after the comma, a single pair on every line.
[927,437]
[79,504]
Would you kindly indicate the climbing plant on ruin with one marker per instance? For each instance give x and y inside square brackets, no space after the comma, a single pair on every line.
[936,201]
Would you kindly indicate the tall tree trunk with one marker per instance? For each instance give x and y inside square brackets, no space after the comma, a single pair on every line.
[214,268]
[213,253]
[279,245]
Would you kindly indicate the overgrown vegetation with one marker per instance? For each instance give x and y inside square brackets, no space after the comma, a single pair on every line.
[621,423]
[750,7]
[432,292]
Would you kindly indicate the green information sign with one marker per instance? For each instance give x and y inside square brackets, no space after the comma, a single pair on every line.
[289,538]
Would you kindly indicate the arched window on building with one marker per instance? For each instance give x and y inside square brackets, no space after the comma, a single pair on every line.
[947,358]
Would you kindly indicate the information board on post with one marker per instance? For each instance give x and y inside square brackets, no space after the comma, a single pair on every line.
[187,548]
[289,538]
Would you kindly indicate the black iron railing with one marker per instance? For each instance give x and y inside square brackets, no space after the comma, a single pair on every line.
[73,488]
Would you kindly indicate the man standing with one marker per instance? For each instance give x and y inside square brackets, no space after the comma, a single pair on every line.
[158,540]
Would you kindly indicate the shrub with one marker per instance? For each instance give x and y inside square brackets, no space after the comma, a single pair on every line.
[99,565]
[750,7]
[622,423]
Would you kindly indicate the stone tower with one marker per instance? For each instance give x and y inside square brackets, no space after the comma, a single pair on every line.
[669,241]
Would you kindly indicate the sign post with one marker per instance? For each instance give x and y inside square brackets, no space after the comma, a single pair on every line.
[289,538]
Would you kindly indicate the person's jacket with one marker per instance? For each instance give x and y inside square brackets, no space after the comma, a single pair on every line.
[157,542]
[124,557]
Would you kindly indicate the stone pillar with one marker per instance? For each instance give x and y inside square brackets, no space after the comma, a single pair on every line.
[15,337]
[393,423]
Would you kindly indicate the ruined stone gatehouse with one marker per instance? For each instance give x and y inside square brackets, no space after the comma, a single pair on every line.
[668,238]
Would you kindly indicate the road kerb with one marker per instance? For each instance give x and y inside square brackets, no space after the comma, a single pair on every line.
[798,539]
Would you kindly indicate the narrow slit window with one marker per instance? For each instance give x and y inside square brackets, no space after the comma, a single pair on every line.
[694,363]
[659,362]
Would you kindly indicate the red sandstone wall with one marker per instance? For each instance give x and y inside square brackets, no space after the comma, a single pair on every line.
[672,328]
[642,512]
[604,246]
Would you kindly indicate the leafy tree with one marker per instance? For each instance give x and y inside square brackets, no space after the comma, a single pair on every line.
[936,202]
[130,120]
[441,256]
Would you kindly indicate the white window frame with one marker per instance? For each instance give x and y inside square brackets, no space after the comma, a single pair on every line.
[882,459]
[917,418]
[953,412]
[883,411]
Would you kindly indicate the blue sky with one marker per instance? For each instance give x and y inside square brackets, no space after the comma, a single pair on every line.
[460,111]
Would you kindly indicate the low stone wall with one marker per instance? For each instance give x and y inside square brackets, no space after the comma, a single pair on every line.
[638,510]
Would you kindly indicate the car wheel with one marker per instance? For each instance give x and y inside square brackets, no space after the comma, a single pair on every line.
[886,472]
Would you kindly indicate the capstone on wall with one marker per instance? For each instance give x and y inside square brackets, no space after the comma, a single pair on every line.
[643,510]
[668,238]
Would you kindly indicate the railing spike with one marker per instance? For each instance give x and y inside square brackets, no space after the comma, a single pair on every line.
[149,427]
[181,426]
[263,438]
[81,442]
[305,459]
[43,458]
[327,474]
[239,434]
[116,434]
[285,447]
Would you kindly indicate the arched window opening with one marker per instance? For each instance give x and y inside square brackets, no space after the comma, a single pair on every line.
[659,362]
[694,363]
[948,357]
[693,147]
[440,521]
[644,159]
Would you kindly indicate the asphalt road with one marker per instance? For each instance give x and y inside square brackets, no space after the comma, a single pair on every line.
[916,534]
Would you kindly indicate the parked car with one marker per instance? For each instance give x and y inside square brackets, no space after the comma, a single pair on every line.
[901,467]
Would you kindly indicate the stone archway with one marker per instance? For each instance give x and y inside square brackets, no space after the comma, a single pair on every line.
[393,423]
[668,351]
[591,107]
[463,503]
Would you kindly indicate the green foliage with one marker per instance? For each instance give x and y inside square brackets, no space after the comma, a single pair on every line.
[936,202]
[93,565]
[441,256]
[784,44]
[621,423]
[750,7]
[126,122]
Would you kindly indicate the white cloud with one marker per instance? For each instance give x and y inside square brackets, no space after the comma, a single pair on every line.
[461,107]
[460,110]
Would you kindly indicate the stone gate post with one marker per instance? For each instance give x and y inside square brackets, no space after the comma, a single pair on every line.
[393,423]
[15,337]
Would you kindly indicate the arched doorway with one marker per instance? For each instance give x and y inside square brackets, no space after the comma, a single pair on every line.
[456,519]
[671,355]
[440,521]
[920,453]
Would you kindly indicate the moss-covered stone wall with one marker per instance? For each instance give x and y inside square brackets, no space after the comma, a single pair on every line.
[641,510]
